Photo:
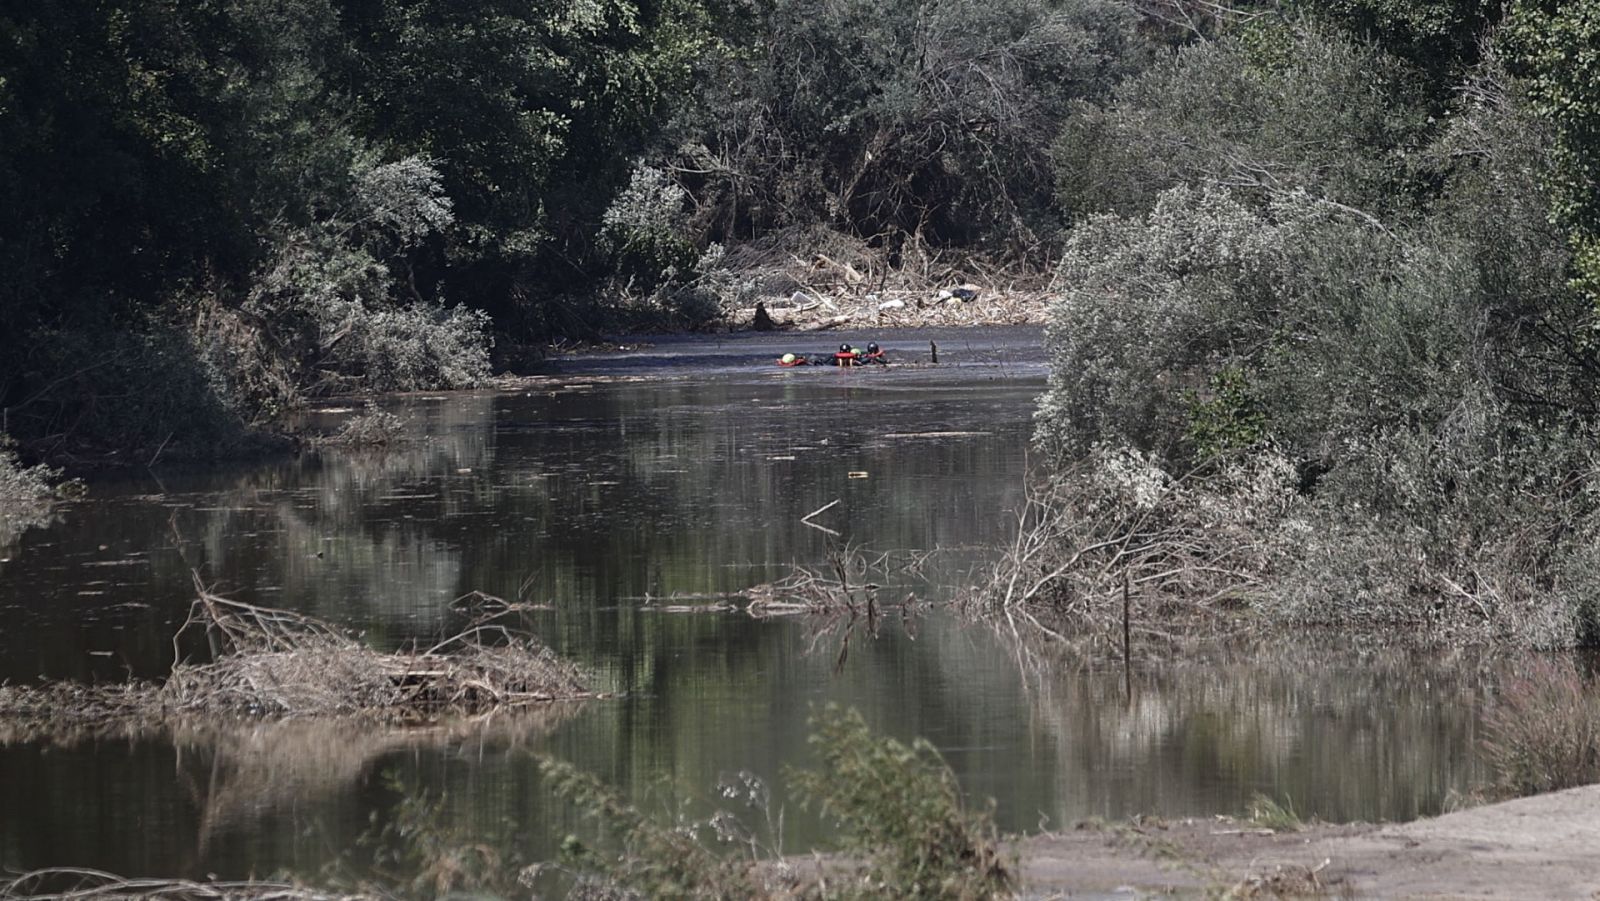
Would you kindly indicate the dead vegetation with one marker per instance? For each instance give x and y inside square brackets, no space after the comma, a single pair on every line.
[372,429]
[839,280]
[844,586]
[278,663]
[267,663]
[68,712]
[838,600]
[77,884]
[1115,550]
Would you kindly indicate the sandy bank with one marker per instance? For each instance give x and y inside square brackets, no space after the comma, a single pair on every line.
[1541,847]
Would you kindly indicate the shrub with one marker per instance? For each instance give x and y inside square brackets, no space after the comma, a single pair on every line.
[406,348]
[26,493]
[321,314]
[643,230]
[899,810]
[1544,734]
[141,388]
[321,319]
[1154,306]
[1427,376]
[23,486]
[372,429]
[659,861]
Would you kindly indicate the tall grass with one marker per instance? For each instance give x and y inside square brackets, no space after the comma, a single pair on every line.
[1544,735]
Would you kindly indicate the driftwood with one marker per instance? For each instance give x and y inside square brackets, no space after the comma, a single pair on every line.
[272,662]
[275,664]
[74,884]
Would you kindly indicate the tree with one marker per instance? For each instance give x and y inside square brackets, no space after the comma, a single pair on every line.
[1552,47]
[1272,109]
[922,121]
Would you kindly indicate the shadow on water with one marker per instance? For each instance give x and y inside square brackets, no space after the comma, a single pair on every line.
[605,497]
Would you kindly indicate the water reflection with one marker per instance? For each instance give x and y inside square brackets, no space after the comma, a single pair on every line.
[601,499]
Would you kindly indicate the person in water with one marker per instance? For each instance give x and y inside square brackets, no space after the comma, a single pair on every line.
[874,354]
[793,360]
[845,357]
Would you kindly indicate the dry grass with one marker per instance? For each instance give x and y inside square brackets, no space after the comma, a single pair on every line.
[1544,734]
[74,884]
[68,712]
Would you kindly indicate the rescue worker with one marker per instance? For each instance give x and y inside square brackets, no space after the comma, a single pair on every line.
[845,357]
[793,360]
[874,354]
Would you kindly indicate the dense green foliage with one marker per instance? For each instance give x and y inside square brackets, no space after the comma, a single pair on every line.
[1553,47]
[250,201]
[1355,243]
[925,120]
[1328,266]
[254,202]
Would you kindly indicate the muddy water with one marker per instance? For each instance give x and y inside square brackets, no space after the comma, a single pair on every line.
[655,477]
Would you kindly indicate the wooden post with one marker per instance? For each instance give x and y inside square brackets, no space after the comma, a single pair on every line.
[933,350]
[1127,641]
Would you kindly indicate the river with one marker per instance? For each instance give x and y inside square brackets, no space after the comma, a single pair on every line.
[670,473]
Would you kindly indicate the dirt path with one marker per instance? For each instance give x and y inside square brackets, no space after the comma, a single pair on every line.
[1545,847]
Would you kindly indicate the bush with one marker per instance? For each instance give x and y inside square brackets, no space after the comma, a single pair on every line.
[144,388]
[1544,735]
[657,860]
[1153,307]
[644,232]
[411,348]
[26,493]
[1427,376]
[899,810]
[321,319]
[23,486]
[372,429]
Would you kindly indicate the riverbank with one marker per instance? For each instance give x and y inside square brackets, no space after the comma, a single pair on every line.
[819,279]
[1536,847]
[968,305]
